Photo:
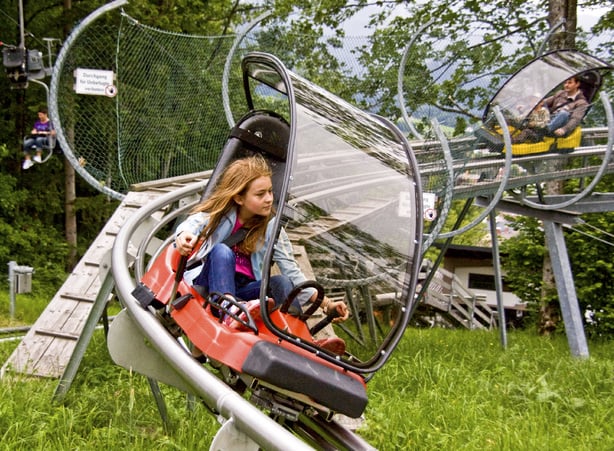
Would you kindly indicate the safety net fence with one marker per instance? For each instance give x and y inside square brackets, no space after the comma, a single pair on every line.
[136,103]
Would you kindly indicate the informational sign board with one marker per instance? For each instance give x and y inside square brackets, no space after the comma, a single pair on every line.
[95,82]
[428,203]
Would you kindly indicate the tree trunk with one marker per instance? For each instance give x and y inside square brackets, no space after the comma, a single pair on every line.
[70,196]
[559,10]
[564,37]
[549,310]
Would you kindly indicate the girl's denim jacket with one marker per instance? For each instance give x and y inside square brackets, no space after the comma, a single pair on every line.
[283,254]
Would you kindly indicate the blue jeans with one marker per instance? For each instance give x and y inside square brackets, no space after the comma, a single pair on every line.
[219,275]
[558,120]
[35,142]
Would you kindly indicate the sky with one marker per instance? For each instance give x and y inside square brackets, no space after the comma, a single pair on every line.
[586,18]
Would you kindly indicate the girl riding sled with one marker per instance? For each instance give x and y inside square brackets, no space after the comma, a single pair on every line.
[231,269]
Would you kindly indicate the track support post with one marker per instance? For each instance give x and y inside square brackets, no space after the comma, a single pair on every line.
[568,299]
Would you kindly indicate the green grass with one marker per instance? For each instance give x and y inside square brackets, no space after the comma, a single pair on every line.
[459,390]
[442,389]
[27,307]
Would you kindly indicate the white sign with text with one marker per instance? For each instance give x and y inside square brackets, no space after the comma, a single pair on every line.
[95,82]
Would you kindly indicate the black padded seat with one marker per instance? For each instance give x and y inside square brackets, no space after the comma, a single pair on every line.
[258,132]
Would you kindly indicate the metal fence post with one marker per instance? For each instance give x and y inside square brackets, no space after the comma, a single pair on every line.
[20,281]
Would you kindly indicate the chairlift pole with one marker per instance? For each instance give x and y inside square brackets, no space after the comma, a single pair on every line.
[22,33]
[498,279]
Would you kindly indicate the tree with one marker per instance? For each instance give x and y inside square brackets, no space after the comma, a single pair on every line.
[34,198]
[558,11]
[589,246]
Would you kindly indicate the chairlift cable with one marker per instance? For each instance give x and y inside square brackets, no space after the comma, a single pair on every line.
[28,33]
[9,16]
[588,235]
[582,222]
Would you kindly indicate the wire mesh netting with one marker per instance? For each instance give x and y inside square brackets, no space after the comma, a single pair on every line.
[166,118]
[171,106]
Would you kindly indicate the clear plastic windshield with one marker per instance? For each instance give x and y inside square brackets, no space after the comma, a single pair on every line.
[538,79]
[352,215]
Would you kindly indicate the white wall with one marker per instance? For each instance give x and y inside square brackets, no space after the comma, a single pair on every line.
[509,299]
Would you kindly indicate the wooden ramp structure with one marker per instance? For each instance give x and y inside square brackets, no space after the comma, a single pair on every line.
[56,343]
[448,301]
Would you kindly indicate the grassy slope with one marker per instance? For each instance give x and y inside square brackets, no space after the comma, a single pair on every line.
[460,390]
[442,389]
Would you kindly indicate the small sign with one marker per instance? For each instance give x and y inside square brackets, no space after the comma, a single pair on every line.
[110,91]
[95,82]
[430,214]
[428,203]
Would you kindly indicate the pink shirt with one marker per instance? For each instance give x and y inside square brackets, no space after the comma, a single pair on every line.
[244,261]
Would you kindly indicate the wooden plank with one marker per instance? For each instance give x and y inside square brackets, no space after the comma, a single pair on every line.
[78,297]
[55,314]
[53,362]
[22,360]
[337,219]
[300,255]
[40,344]
[174,181]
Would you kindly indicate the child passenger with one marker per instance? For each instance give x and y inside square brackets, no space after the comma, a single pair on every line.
[537,124]
[243,198]
[38,139]
[539,117]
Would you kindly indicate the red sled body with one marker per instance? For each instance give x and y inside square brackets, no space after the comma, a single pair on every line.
[279,364]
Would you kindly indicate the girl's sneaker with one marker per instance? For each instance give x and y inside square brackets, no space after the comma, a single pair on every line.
[335,345]
[253,309]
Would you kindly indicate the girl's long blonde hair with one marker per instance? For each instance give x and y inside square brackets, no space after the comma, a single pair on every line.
[236,180]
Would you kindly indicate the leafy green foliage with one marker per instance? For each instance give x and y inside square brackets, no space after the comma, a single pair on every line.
[28,239]
[589,246]
[522,259]
[590,249]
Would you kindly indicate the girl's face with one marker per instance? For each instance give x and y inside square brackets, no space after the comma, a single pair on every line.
[257,200]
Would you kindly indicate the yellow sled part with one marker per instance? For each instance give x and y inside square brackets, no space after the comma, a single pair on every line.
[549,144]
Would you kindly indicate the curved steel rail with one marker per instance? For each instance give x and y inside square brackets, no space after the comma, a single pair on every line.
[53,98]
[556,26]
[447,202]
[400,83]
[502,185]
[447,155]
[227,65]
[145,244]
